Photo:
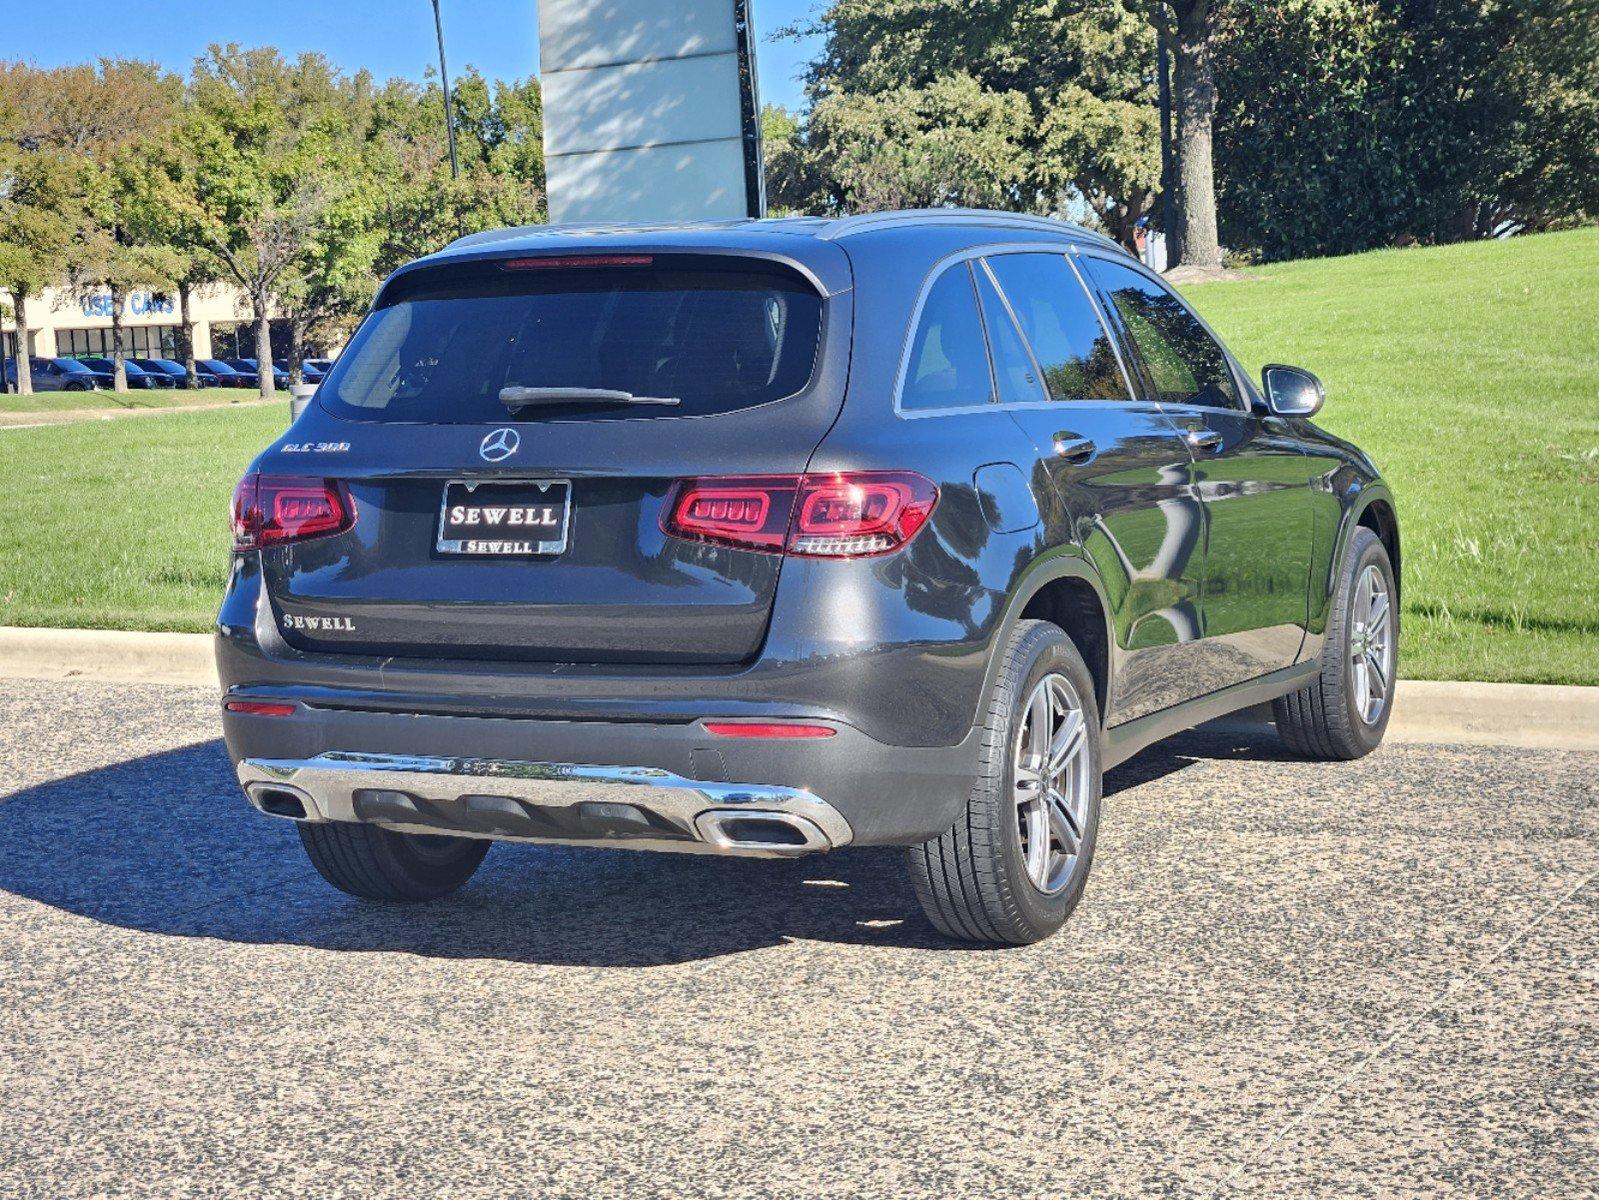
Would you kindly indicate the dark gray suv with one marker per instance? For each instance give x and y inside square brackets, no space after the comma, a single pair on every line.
[776,537]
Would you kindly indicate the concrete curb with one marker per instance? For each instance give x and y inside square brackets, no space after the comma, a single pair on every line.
[107,656]
[1502,714]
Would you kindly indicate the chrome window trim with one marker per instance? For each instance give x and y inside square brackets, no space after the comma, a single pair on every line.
[1239,381]
[1016,327]
[936,272]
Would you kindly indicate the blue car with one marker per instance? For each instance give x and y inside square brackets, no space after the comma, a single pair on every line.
[59,375]
[138,377]
[252,368]
[227,375]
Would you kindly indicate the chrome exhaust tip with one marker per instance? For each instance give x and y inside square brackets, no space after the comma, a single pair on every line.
[281,800]
[758,830]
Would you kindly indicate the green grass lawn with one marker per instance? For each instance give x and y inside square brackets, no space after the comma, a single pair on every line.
[123,524]
[46,402]
[1471,374]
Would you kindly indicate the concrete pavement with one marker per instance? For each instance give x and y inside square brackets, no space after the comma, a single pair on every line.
[1286,978]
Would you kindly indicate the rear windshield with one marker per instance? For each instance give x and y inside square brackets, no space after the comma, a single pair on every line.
[713,335]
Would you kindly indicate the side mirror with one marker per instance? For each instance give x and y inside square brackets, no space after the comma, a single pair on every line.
[1291,392]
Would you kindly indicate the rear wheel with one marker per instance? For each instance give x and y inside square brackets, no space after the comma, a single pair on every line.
[1014,866]
[380,864]
[1344,712]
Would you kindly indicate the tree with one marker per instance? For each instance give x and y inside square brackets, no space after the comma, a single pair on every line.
[38,218]
[1041,105]
[79,126]
[40,202]
[110,115]
[1194,88]
[254,172]
[1349,124]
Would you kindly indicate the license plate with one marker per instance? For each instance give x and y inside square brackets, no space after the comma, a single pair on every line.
[505,520]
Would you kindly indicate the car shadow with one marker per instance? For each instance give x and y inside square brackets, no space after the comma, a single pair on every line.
[166,844]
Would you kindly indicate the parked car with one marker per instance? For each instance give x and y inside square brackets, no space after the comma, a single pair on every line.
[320,365]
[205,376]
[252,368]
[780,537]
[227,375]
[175,371]
[59,375]
[137,376]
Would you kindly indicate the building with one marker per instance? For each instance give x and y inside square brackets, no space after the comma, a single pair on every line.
[68,325]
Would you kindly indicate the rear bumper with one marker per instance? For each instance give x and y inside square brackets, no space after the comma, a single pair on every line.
[635,807]
[651,785]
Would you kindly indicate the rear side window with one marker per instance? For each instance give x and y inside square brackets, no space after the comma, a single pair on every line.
[1013,367]
[716,336]
[1184,362]
[949,362]
[1073,349]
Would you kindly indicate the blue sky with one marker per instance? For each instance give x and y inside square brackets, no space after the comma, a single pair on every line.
[389,37]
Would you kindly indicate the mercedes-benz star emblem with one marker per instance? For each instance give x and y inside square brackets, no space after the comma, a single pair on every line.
[500,445]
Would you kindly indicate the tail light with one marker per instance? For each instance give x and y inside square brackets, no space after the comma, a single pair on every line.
[852,514]
[271,510]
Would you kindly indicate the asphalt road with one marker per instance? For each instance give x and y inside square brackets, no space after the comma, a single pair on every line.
[1286,979]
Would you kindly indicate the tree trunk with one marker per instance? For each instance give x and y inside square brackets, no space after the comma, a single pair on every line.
[296,343]
[263,349]
[19,302]
[186,335]
[1170,198]
[119,376]
[1196,115]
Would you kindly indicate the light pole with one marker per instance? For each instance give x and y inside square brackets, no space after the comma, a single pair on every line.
[444,77]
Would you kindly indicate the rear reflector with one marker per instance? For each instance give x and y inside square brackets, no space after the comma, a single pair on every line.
[577,260]
[259,708]
[742,729]
[270,510]
[844,515]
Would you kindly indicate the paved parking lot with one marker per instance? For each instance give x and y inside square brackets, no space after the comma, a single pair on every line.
[1286,979]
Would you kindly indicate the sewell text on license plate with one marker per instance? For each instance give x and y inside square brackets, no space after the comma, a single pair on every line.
[505,519]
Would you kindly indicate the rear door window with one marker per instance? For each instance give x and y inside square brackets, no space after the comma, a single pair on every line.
[715,337]
[948,366]
[1014,374]
[1072,346]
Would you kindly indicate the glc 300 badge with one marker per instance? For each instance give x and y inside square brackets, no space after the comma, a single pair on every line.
[330,624]
[499,445]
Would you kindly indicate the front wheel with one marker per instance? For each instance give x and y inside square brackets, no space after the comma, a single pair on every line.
[1014,865]
[380,864]
[1344,712]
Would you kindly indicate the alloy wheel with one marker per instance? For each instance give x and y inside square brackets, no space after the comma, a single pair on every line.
[1052,782]
[1371,644]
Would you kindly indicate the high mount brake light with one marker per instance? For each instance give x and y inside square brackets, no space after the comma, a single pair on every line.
[577,260]
[272,510]
[852,514]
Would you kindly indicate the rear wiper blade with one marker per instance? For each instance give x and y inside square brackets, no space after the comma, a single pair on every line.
[535,397]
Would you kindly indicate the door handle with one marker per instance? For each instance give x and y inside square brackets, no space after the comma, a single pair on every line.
[1204,439]
[1073,448]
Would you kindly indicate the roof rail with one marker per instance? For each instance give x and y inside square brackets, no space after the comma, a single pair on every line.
[865,222]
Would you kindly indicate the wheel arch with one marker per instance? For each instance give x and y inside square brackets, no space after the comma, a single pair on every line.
[1066,591]
[1372,507]
[1378,516]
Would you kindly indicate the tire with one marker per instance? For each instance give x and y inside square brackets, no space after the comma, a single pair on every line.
[1332,718]
[380,864]
[974,881]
